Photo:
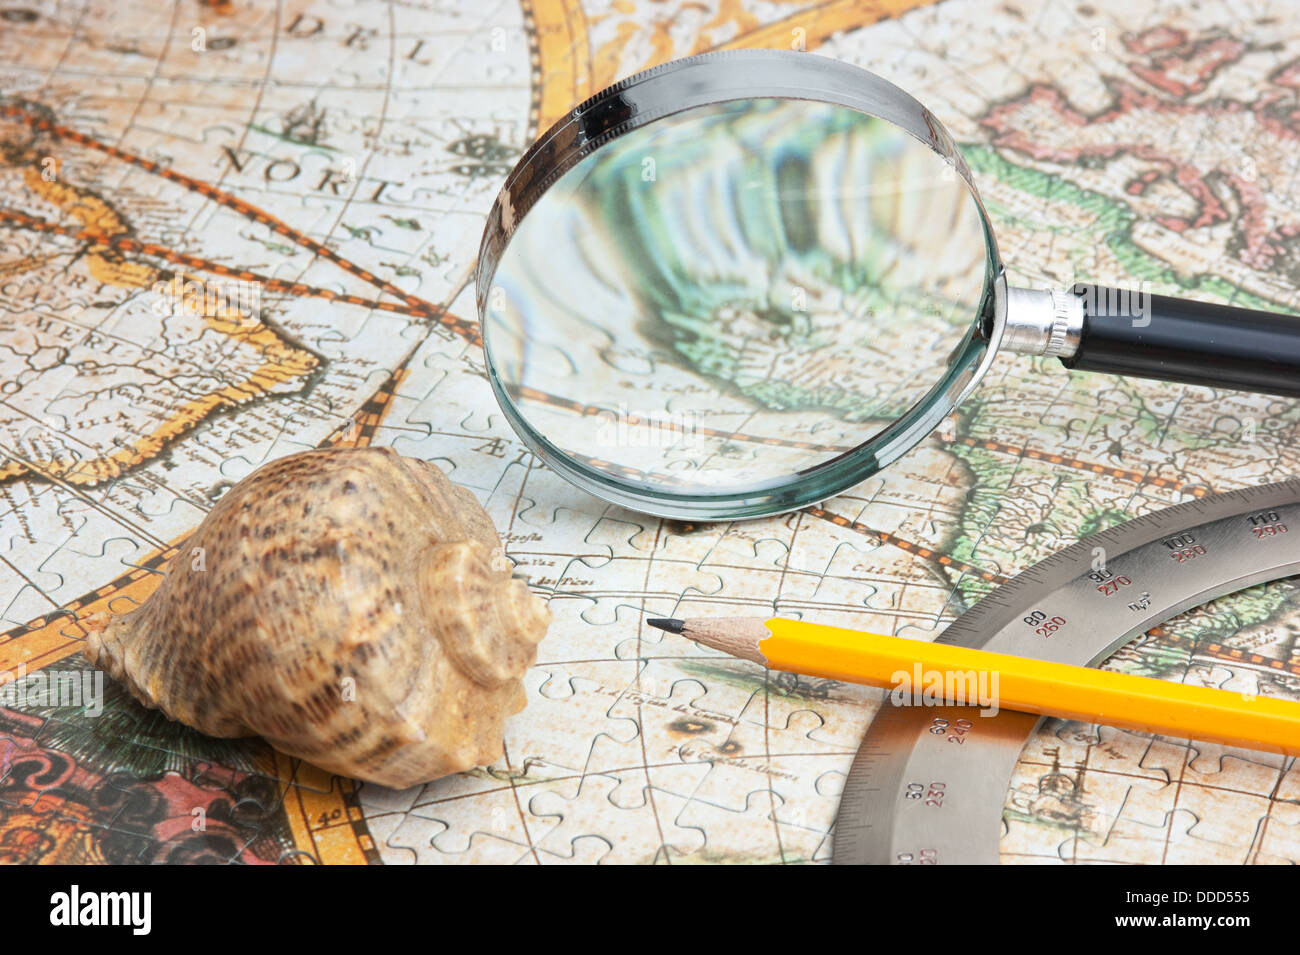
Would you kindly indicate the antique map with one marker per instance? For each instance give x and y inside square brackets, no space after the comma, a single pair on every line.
[320,171]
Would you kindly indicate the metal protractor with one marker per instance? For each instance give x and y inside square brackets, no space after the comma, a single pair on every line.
[1077,606]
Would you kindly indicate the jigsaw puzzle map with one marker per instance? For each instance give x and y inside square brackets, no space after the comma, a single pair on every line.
[233,231]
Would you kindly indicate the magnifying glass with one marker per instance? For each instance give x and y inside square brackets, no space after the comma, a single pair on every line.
[740,283]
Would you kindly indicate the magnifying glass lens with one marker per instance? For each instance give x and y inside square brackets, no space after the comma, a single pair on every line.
[720,311]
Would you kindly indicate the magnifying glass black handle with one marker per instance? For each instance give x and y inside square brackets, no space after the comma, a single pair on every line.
[1173,339]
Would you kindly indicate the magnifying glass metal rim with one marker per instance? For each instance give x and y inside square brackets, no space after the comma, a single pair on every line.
[705,80]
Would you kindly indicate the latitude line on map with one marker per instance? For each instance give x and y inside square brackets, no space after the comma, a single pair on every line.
[219,196]
[917,550]
[1141,478]
[30,583]
[127,243]
[107,512]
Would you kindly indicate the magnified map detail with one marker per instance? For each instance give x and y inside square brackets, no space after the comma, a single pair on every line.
[713,287]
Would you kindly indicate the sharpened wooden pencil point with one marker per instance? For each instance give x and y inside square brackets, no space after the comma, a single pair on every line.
[738,636]
[669,624]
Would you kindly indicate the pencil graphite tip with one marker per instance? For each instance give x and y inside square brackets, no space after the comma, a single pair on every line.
[670,624]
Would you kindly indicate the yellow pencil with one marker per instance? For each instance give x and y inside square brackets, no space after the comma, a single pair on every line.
[1017,683]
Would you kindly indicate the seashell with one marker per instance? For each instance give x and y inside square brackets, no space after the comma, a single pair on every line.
[350,605]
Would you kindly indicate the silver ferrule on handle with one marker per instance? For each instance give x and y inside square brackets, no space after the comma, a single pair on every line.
[1045,322]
